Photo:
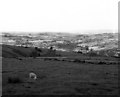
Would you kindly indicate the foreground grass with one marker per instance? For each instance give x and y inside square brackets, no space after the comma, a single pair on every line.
[59,77]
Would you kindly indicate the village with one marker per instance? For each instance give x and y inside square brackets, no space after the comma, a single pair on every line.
[61,44]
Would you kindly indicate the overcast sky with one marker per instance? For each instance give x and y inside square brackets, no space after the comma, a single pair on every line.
[73,16]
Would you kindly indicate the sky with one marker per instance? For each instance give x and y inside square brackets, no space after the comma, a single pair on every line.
[74,16]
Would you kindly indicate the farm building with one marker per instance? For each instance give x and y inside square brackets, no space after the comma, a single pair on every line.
[117,53]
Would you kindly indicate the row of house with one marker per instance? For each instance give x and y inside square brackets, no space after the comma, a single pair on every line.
[97,50]
[82,49]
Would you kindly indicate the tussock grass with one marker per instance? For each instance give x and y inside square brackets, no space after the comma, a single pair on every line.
[14,80]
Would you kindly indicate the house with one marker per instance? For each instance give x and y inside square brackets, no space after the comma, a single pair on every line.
[117,53]
[82,49]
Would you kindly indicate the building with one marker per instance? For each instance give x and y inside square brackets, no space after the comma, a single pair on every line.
[82,49]
[117,53]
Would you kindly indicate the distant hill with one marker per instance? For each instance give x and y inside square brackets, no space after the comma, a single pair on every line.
[68,41]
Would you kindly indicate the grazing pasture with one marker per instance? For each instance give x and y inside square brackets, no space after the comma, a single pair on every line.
[68,74]
[58,77]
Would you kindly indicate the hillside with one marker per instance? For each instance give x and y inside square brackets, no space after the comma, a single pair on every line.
[9,51]
[68,74]
[60,77]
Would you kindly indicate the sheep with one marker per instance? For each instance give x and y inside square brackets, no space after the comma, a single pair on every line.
[32,76]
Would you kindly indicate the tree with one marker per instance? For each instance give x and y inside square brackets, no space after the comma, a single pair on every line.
[87,47]
[38,49]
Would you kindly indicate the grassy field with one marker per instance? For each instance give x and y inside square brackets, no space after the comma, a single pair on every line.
[60,76]
[0,76]
[56,77]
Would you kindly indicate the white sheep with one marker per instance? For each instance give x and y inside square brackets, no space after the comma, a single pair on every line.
[32,76]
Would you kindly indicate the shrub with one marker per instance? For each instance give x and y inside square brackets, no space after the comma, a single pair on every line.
[38,49]
[14,80]
[80,61]
[56,59]
[101,62]
[76,60]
